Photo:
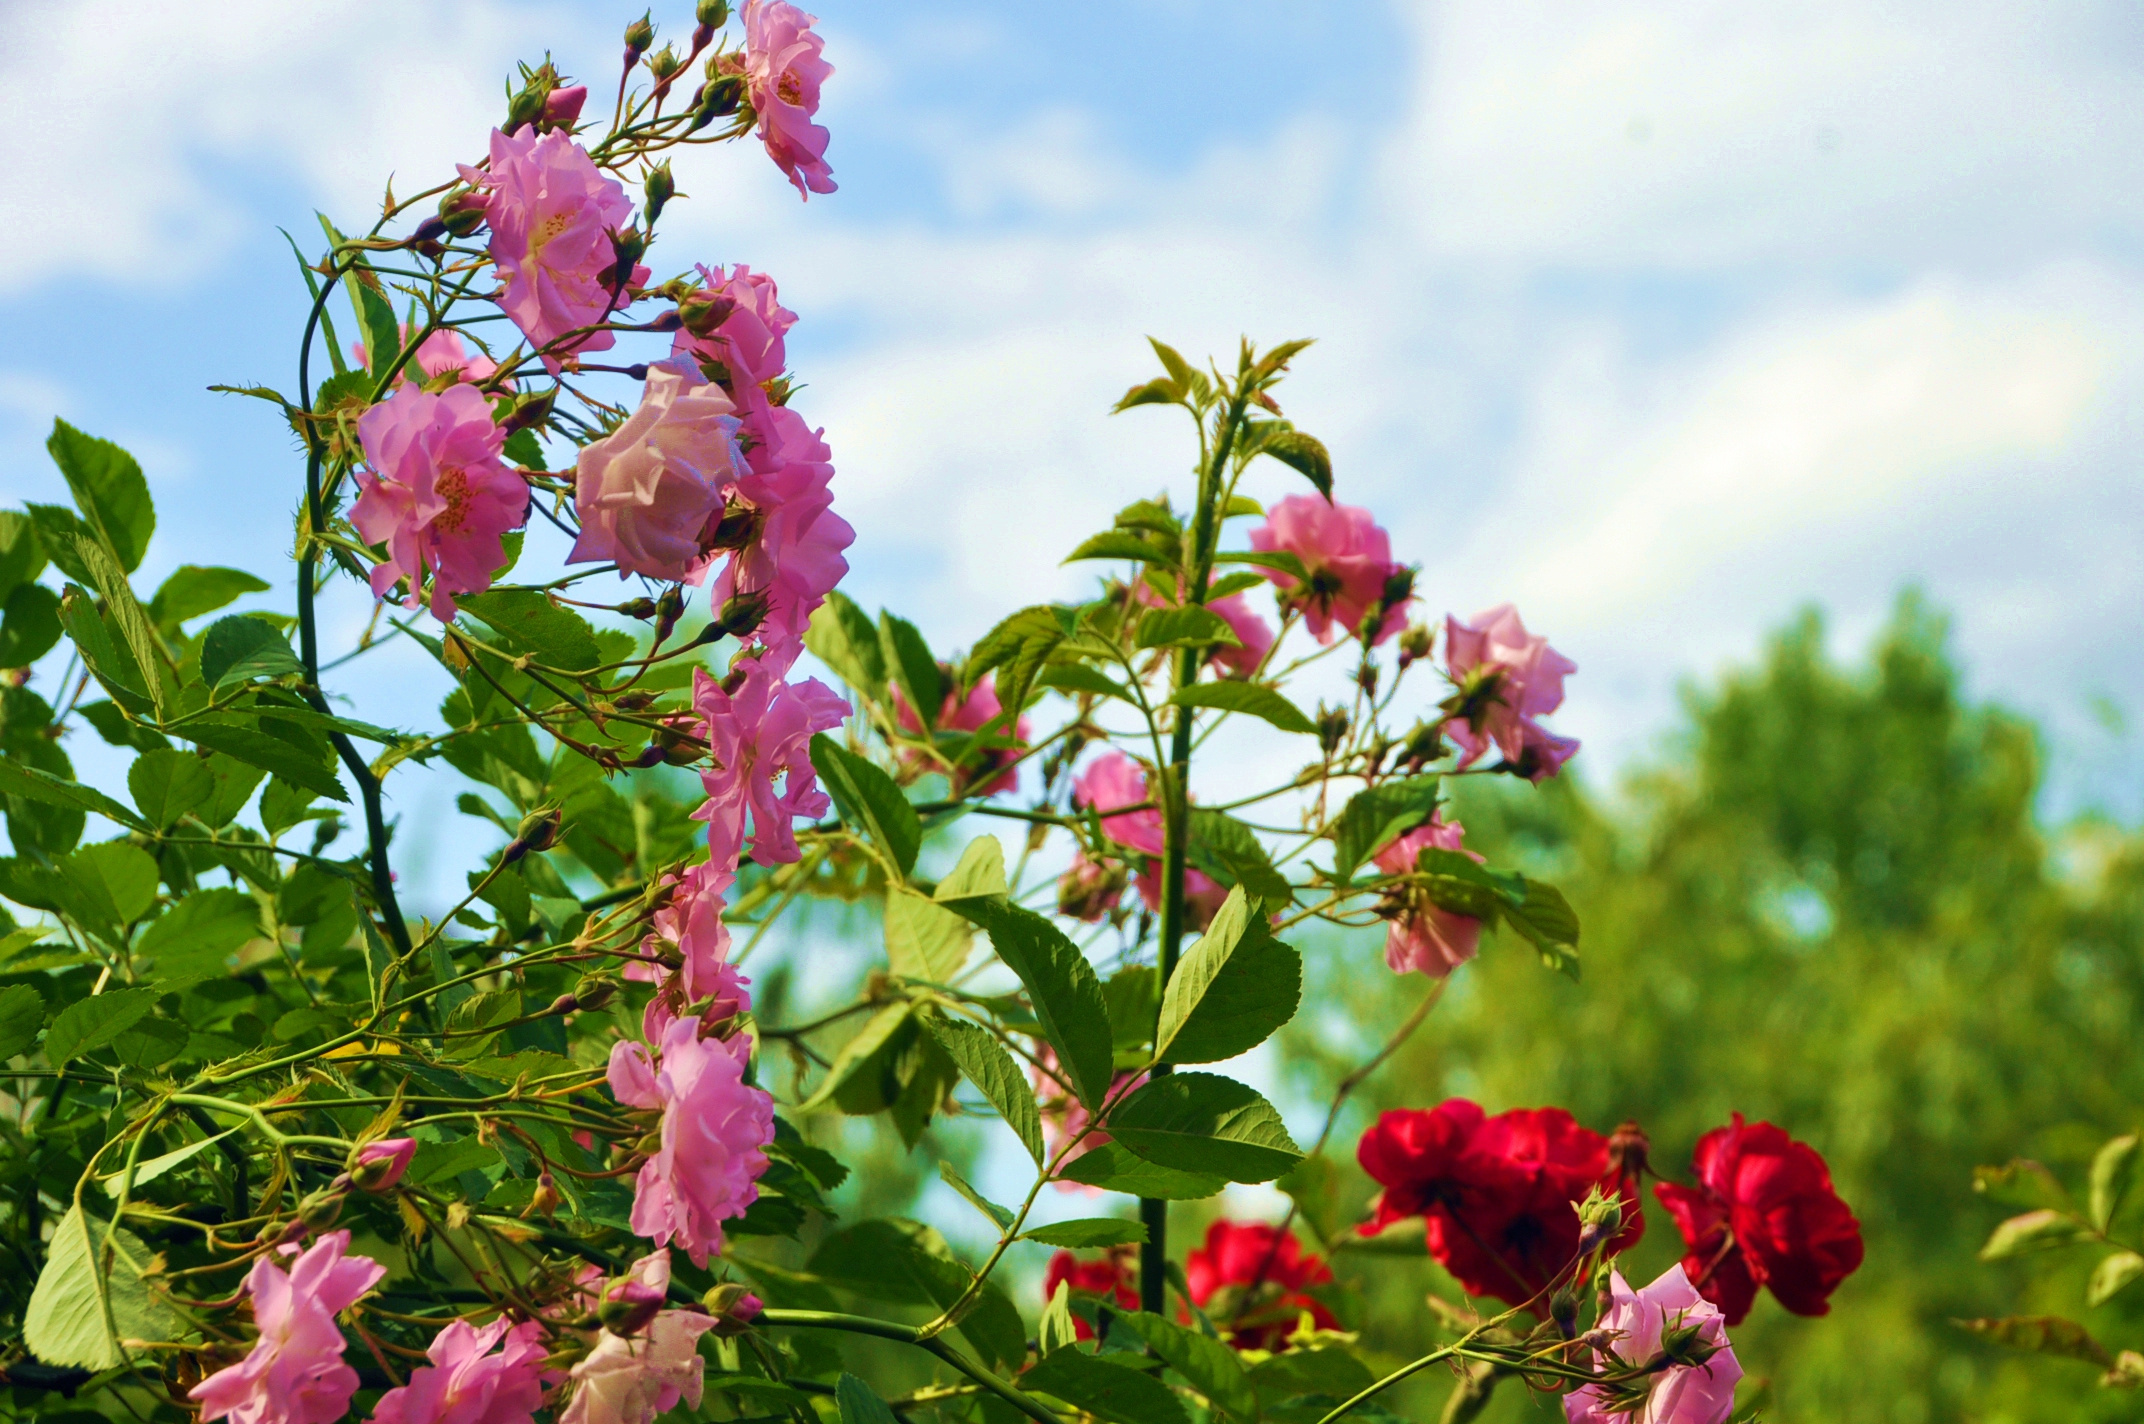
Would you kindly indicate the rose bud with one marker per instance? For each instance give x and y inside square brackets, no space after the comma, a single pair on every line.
[463,211]
[562,107]
[1415,643]
[318,1211]
[638,37]
[628,1307]
[659,189]
[529,411]
[379,1165]
[538,831]
[718,100]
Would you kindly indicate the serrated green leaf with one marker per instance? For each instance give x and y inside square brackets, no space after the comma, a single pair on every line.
[950,1175]
[1232,991]
[1304,454]
[1277,562]
[22,551]
[1190,627]
[1124,544]
[1206,1124]
[1159,391]
[149,1171]
[857,1404]
[241,648]
[167,785]
[1114,1168]
[869,800]
[256,747]
[1078,677]
[108,489]
[30,626]
[1375,817]
[856,1057]
[193,590]
[841,636]
[1088,1233]
[908,659]
[22,1014]
[981,872]
[89,1024]
[526,622]
[1230,852]
[1066,996]
[124,613]
[923,940]
[112,665]
[1109,1391]
[2113,1168]
[81,1308]
[19,779]
[2112,1275]
[108,886]
[987,1065]
[1249,698]
[1015,649]
[907,1263]
[2032,1231]
[1211,1367]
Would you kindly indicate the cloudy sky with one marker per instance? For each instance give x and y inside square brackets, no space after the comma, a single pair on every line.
[1661,320]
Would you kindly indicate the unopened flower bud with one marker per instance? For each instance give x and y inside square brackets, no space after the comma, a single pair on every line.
[665,63]
[733,1307]
[665,321]
[668,609]
[462,211]
[718,100]
[525,108]
[1563,1309]
[676,747]
[638,36]
[529,411]
[547,1198]
[630,245]
[1332,727]
[562,107]
[637,701]
[537,832]
[628,1307]
[318,1211]
[1685,1345]
[1599,1218]
[1366,678]
[702,312]
[594,992]
[1628,1150]
[1415,643]
[714,14]
[734,528]
[378,1166]
[1399,587]
[429,231]
[643,608]
[659,189]
[742,613]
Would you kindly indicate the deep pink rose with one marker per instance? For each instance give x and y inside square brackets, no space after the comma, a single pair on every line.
[1348,558]
[1253,632]
[631,1379]
[788,540]
[380,1165]
[1506,678]
[748,342]
[562,107]
[691,919]
[438,354]
[758,735]
[982,776]
[783,70]
[295,1372]
[1424,937]
[1116,780]
[650,493]
[552,212]
[1681,1394]
[470,1383]
[714,1128]
[437,494]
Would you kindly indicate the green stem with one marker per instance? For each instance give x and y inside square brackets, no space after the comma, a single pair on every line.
[909,1335]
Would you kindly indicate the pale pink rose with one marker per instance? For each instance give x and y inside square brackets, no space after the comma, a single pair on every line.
[295,1372]
[691,919]
[758,735]
[713,1129]
[989,774]
[1681,1394]
[438,354]
[437,494]
[1425,937]
[470,1383]
[749,341]
[630,1379]
[393,1154]
[552,212]
[783,71]
[1116,780]
[1348,558]
[792,542]
[650,493]
[1507,677]
[1253,632]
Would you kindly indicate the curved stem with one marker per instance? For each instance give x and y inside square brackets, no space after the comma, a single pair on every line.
[909,1335]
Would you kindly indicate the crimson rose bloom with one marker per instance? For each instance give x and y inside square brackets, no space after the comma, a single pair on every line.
[1763,1213]
[1495,1193]
[1115,1277]
[1267,1271]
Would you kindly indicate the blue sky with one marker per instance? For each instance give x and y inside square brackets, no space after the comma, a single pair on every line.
[1662,320]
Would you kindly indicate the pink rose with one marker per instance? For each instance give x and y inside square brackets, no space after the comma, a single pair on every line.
[757,735]
[552,212]
[295,1372]
[438,354]
[783,71]
[380,1165]
[650,493]
[437,494]
[1506,678]
[1681,1393]
[630,1379]
[562,107]
[786,538]
[1117,780]
[467,1382]
[692,920]
[1348,558]
[746,336]
[1089,889]
[713,1129]
[1424,937]
[1253,632]
[989,774]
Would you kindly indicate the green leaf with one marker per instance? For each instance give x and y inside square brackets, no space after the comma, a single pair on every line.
[1304,454]
[981,871]
[1016,650]
[924,941]
[1189,627]
[193,590]
[1159,391]
[1546,920]
[122,611]
[904,1262]
[529,623]
[1463,885]
[383,334]
[841,636]
[1061,984]
[1333,1373]
[2043,1335]
[950,1175]
[81,1310]
[19,779]
[1277,562]
[1078,677]
[22,1014]
[868,799]
[987,1065]
[241,648]
[1088,1232]
[2111,1275]
[1133,994]
[856,1059]
[168,785]
[1058,1326]
[1313,1184]
[1180,370]
[114,668]
[1125,544]
[2020,1182]
[296,764]
[524,449]
[22,552]
[1206,1124]
[89,1024]
[1231,992]
[858,1405]
[109,490]
[1230,852]
[1246,697]
[1114,1169]
[1211,1367]
[1109,1391]
[149,1171]
[109,886]
[908,658]
[2113,1169]
[2032,1231]
[151,1042]
[1375,817]
[31,627]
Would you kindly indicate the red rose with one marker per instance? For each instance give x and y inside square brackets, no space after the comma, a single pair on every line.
[1763,1213]
[1114,1276]
[1266,1270]
[1495,1193]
